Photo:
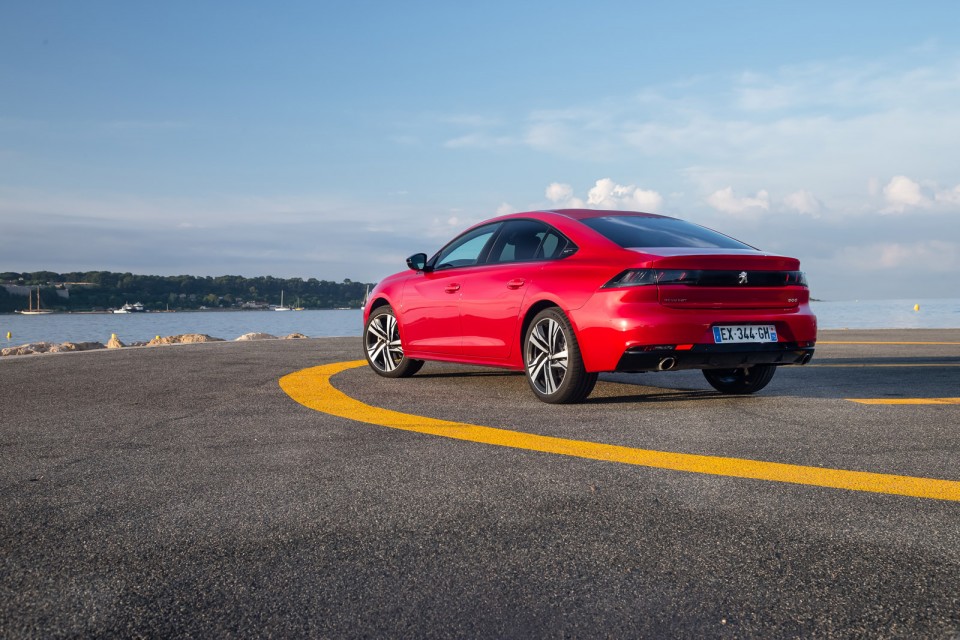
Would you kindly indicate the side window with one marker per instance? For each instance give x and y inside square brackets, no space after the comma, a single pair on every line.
[466,250]
[523,240]
[553,244]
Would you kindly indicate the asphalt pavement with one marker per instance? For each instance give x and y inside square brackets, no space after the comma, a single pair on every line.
[178,491]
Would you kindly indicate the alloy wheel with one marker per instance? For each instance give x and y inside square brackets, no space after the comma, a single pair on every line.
[547,356]
[383,343]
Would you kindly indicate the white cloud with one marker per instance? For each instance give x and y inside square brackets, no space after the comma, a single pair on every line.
[803,202]
[726,201]
[606,194]
[902,193]
[505,208]
[558,192]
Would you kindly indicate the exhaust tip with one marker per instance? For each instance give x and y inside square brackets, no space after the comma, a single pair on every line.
[666,364]
[807,358]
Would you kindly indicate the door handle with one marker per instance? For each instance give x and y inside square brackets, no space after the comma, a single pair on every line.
[452,288]
[516,283]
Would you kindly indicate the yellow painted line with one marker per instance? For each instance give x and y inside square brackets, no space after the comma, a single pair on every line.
[905,400]
[819,342]
[313,388]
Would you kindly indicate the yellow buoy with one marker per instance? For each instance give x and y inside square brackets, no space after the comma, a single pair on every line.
[916,307]
[9,335]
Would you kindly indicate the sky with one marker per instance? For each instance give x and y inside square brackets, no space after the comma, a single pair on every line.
[332,139]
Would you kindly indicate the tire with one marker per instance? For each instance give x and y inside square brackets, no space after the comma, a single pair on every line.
[740,381]
[552,360]
[382,346]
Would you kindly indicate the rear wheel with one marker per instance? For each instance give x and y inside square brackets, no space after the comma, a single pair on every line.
[740,381]
[553,362]
[382,346]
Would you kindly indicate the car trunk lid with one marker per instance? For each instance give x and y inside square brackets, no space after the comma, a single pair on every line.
[727,279]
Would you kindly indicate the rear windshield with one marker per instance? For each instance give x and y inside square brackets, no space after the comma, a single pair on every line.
[638,232]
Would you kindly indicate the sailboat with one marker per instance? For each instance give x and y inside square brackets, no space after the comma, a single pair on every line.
[31,311]
[281,307]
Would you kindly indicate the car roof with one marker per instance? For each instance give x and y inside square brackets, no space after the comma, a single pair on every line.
[562,217]
[582,214]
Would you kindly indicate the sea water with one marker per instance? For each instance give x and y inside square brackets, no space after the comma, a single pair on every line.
[941,313]
[229,325]
[141,327]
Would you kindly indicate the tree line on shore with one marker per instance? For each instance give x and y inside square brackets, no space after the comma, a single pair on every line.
[102,290]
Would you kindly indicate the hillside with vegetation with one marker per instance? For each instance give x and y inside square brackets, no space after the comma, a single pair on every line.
[103,290]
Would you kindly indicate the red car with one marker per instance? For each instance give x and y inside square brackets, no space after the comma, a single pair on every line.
[564,295]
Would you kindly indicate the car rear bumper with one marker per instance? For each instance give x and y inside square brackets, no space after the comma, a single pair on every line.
[712,356]
[623,331]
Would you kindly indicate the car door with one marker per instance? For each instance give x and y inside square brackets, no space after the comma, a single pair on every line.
[491,296]
[431,299]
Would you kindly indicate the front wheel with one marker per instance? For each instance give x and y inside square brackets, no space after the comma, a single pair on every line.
[382,346]
[740,381]
[553,362]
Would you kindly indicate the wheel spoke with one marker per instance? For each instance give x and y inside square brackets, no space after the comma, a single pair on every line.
[381,356]
[395,352]
[538,341]
[538,369]
[556,337]
[391,328]
[549,384]
[377,330]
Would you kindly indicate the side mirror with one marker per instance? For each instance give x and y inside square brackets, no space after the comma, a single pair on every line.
[417,262]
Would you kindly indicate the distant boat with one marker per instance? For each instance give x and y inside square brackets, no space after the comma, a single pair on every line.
[281,307]
[136,307]
[31,311]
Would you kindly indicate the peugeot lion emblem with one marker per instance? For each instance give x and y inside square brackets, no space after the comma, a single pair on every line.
[743,278]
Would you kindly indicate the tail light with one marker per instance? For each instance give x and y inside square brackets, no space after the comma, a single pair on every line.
[795,278]
[633,278]
[644,277]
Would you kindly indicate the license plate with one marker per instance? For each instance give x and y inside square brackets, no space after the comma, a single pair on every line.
[745,333]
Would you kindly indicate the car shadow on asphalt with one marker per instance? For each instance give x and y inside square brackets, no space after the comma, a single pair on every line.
[645,392]
[659,397]
[493,373]
[831,382]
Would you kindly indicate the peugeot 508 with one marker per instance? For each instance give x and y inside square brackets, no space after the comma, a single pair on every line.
[564,295]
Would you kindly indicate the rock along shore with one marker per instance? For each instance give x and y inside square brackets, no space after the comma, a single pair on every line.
[34,348]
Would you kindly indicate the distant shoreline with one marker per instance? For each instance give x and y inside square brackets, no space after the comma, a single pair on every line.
[155,312]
